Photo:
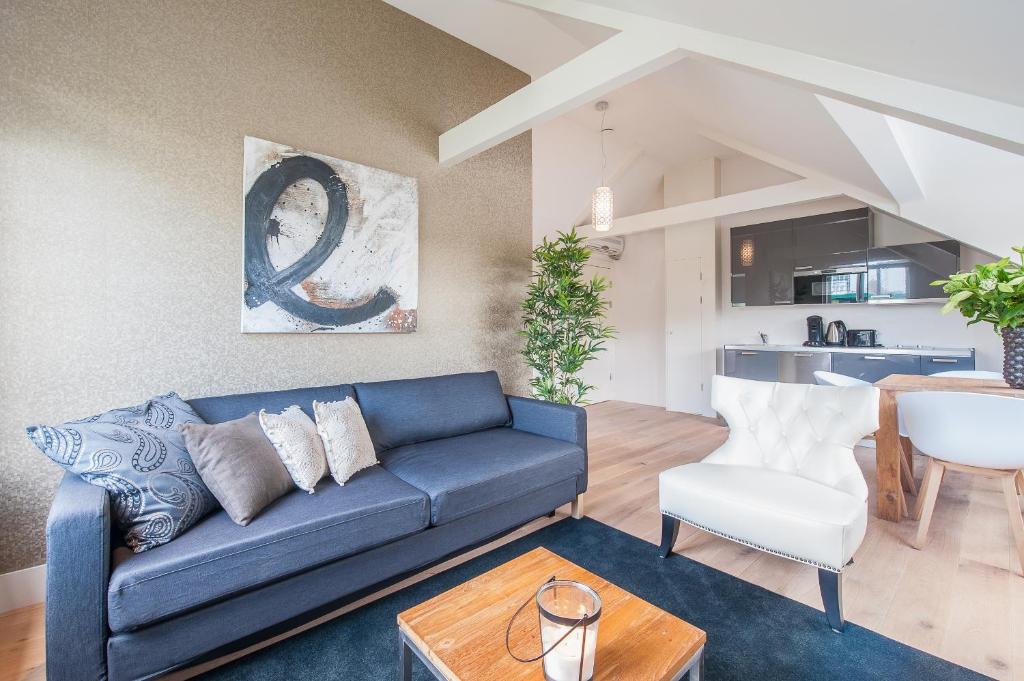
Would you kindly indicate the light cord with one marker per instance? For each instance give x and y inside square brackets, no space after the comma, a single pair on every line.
[604,157]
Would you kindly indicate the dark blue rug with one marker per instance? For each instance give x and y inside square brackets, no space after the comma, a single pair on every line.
[752,633]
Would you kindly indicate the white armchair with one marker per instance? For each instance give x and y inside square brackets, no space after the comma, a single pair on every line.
[785,481]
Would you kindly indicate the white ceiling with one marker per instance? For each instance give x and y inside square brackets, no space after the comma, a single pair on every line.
[969,46]
[972,47]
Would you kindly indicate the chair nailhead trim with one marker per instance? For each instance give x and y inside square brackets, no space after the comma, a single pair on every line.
[753,545]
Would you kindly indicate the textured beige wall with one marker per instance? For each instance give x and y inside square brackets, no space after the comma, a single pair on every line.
[120,205]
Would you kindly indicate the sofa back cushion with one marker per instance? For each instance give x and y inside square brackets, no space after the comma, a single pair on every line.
[415,410]
[231,407]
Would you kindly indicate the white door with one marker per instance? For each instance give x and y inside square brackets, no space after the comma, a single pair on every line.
[598,371]
[684,374]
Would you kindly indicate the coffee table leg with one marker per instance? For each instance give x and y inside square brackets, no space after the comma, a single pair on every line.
[697,670]
[404,660]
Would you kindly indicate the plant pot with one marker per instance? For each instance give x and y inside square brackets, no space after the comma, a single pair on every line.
[1013,357]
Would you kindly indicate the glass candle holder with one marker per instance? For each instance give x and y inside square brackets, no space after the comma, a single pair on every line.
[570,610]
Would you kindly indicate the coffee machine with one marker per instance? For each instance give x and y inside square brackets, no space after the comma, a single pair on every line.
[815,332]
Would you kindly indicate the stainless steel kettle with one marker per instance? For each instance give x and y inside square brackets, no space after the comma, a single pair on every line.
[836,333]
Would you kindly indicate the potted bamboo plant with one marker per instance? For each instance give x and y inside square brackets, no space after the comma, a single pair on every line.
[994,294]
[563,319]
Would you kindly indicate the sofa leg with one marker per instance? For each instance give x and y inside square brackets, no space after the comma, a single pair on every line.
[669,533]
[577,507]
[831,585]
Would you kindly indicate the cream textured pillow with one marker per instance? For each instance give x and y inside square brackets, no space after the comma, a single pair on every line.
[294,436]
[346,439]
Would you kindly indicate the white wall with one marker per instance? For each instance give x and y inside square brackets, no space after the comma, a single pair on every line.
[972,192]
[567,168]
[638,314]
[691,309]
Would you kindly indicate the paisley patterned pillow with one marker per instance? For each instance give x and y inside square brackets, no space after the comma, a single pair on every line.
[138,455]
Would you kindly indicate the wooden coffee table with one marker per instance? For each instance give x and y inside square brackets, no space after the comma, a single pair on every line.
[460,634]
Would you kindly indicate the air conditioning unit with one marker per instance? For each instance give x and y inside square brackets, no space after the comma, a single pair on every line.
[610,246]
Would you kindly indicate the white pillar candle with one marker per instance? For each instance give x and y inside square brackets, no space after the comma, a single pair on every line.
[563,663]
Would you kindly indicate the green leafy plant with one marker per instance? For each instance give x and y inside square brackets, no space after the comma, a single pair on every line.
[563,319]
[992,293]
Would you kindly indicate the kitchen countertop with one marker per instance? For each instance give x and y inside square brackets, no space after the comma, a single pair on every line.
[923,350]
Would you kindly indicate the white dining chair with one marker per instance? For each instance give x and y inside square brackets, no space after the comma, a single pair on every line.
[834,379]
[969,433]
[785,482]
[981,375]
[906,447]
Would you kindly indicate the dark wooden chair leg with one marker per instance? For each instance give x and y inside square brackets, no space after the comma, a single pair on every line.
[831,585]
[669,532]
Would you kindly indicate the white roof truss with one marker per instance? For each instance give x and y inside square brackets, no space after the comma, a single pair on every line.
[871,134]
[617,61]
[789,193]
[645,45]
[840,187]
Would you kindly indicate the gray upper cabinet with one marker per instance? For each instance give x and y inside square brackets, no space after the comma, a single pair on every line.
[832,240]
[850,256]
[762,264]
[905,272]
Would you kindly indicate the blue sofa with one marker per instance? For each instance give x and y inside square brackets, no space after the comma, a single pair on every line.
[460,462]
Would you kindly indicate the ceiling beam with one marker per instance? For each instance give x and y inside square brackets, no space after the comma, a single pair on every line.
[998,124]
[617,61]
[798,191]
[874,138]
[853,191]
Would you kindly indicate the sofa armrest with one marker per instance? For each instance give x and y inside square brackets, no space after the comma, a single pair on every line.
[77,572]
[559,421]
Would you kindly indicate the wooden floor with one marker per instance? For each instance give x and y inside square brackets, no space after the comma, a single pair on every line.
[960,598]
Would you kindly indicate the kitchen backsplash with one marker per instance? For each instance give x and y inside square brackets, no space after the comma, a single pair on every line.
[919,324]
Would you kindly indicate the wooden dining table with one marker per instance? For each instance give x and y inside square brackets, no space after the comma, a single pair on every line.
[888,448]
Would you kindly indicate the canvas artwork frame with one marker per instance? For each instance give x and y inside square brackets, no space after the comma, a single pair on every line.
[329,246]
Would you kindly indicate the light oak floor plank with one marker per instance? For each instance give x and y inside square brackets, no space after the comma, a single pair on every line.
[957,598]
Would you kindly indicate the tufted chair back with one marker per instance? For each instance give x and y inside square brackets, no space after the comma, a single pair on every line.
[805,430]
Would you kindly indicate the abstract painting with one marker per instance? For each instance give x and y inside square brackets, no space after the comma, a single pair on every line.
[329,245]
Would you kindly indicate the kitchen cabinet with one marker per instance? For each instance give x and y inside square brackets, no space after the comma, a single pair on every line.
[795,364]
[906,272]
[799,367]
[934,365]
[831,240]
[757,365]
[852,256]
[762,264]
[874,367]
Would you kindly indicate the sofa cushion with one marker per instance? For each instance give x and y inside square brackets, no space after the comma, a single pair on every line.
[470,473]
[231,407]
[239,465]
[416,410]
[138,455]
[218,558]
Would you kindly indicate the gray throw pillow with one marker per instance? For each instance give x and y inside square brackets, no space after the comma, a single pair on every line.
[138,455]
[239,465]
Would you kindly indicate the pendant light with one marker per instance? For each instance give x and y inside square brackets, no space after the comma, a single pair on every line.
[602,202]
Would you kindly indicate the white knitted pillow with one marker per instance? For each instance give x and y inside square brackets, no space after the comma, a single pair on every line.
[346,439]
[294,436]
